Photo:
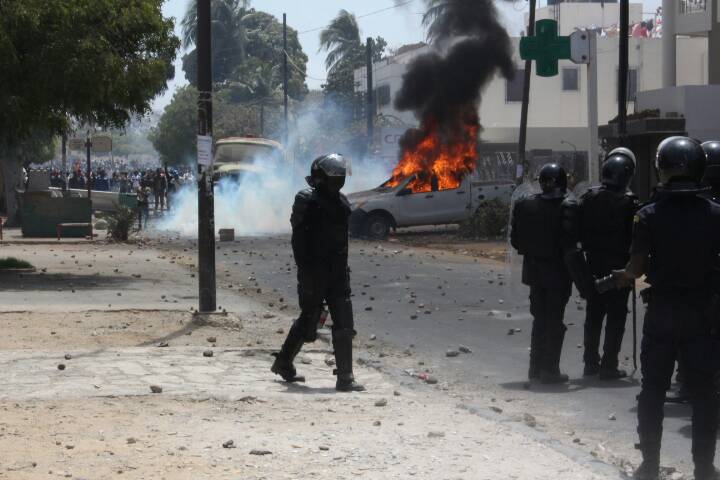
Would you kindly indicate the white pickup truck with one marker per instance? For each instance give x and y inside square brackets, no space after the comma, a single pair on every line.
[376,211]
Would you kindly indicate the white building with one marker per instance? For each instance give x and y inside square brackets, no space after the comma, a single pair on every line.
[558,105]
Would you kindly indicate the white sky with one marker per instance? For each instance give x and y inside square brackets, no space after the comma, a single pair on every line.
[398,26]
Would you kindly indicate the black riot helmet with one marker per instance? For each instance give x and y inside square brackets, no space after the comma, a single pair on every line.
[712,171]
[617,171]
[327,173]
[680,159]
[553,181]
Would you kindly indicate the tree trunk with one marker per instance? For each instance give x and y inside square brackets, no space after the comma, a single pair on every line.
[11,172]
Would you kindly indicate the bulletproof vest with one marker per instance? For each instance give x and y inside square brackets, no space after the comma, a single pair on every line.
[539,227]
[329,228]
[684,243]
[606,220]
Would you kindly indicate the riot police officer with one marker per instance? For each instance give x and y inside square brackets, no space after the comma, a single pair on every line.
[603,225]
[537,234]
[676,242]
[711,178]
[320,245]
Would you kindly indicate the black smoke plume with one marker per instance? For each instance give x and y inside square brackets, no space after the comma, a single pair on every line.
[443,88]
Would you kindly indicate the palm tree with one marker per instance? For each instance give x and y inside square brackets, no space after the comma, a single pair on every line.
[445,19]
[229,18]
[341,39]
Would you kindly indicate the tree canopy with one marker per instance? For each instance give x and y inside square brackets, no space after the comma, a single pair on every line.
[99,62]
[243,38]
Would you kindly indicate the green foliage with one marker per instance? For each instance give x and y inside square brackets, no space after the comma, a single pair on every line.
[244,38]
[174,137]
[99,62]
[119,223]
[12,263]
[490,221]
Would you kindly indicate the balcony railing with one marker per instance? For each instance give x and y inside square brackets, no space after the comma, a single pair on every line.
[693,6]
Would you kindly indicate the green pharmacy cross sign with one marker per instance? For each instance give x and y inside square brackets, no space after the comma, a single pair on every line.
[546,48]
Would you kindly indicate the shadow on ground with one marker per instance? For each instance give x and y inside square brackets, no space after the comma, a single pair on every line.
[14,282]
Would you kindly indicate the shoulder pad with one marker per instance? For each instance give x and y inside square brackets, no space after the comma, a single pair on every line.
[304,195]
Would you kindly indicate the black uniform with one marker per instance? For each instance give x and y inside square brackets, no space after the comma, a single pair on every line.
[605,218]
[680,232]
[320,245]
[538,235]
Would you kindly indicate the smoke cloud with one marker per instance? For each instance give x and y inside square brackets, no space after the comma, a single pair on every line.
[443,88]
[260,201]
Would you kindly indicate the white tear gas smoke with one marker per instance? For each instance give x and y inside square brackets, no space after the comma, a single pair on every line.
[259,201]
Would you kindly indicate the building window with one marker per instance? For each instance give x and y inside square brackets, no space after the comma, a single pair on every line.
[632,85]
[382,94]
[514,87]
[570,79]
[692,6]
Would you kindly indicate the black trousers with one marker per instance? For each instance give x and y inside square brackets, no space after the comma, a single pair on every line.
[329,283]
[678,327]
[547,306]
[613,306]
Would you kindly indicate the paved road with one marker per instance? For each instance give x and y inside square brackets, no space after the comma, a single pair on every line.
[428,302]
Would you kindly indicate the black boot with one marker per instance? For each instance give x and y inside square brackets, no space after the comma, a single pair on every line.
[611,374]
[551,368]
[342,344]
[648,470]
[283,364]
[537,351]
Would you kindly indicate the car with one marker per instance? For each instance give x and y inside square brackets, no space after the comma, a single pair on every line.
[378,211]
[236,156]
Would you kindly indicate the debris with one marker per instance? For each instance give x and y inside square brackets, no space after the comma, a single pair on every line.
[496,409]
[381,403]
[61,366]
[156,389]
[280,330]
[211,339]
[131,440]
[376,423]
[464,349]
[163,344]
[373,337]
[208,353]
[306,360]
[324,448]
[612,416]
[68,356]
[452,353]
[260,452]
[529,420]
[436,434]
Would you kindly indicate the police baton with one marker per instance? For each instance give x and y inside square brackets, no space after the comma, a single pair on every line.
[634,318]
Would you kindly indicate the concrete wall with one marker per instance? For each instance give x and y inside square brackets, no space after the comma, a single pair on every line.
[586,15]
[700,105]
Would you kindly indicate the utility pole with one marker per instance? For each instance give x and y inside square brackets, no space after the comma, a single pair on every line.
[623,70]
[370,111]
[522,141]
[206,202]
[285,80]
[88,146]
[64,161]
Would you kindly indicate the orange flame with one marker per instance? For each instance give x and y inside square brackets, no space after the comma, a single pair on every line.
[433,161]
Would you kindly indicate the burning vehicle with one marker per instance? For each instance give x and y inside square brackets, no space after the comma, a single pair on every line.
[433,180]
[237,156]
[435,183]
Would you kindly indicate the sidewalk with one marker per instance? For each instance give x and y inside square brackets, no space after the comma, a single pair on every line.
[223,416]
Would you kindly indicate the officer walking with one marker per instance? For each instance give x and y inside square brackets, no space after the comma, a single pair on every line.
[676,242]
[604,222]
[320,245]
[537,234]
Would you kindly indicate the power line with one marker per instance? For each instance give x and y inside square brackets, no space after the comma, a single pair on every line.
[408,2]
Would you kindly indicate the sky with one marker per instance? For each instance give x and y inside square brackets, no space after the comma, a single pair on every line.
[398,26]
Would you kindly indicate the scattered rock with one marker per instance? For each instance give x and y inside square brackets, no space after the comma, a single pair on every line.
[211,339]
[396,393]
[208,353]
[464,349]
[376,423]
[280,330]
[430,380]
[529,420]
[436,434]
[381,403]
[496,409]
[452,353]
[612,416]
[131,440]
[156,389]
[324,448]
[260,452]
[306,360]
[373,337]
[230,444]
[68,356]
[163,344]
[61,366]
